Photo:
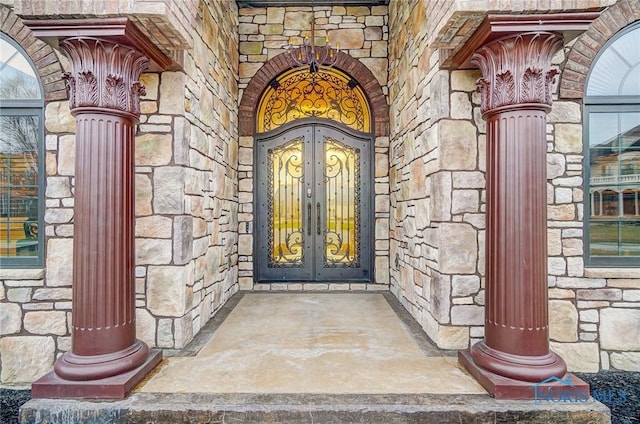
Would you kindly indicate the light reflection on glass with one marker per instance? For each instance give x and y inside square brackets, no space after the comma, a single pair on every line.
[18,186]
[286,178]
[342,176]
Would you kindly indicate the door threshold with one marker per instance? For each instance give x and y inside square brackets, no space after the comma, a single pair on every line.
[319,286]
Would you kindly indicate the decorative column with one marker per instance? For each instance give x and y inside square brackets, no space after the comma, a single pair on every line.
[106,360]
[516,97]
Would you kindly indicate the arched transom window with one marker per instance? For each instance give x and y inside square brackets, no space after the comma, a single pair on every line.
[21,158]
[327,93]
[612,153]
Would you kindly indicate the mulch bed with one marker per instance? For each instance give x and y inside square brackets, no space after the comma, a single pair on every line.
[620,391]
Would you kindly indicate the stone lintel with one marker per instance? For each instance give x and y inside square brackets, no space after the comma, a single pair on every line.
[494,27]
[119,30]
[506,388]
[116,387]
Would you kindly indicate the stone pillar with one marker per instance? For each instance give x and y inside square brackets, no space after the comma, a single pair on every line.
[105,360]
[516,97]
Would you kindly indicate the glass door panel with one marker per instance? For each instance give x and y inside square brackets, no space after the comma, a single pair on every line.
[313,211]
[342,194]
[286,180]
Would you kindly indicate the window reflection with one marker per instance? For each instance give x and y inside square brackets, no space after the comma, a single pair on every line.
[614,184]
[20,145]
[612,192]
[18,186]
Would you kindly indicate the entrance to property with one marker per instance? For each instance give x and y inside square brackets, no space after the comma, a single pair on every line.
[313,203]
[313,179]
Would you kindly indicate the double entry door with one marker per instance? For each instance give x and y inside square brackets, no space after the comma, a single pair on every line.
[313,204]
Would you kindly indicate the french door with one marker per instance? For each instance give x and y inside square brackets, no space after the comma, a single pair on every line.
[313,204]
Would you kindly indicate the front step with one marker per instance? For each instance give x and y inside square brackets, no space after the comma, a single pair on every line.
[310,408]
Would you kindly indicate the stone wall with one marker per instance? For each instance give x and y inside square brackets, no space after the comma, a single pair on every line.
[167,23]
[437,228]
[362,32]
[594,312]
[194,185]
[186,204]
[186,186]
[437,183]
[35,304]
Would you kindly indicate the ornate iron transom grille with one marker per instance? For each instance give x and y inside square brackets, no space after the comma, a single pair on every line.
[327,93]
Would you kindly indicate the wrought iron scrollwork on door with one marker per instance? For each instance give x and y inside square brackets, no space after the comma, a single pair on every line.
[285,210]
[342,209]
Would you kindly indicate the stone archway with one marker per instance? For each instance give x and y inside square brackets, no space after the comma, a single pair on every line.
[380,166]
[43,56]
[588,44]
[282,62]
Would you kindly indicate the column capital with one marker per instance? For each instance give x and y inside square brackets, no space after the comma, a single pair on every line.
[104,74]
[516,70]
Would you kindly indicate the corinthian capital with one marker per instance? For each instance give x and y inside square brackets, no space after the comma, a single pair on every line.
[517,70]
[104,74]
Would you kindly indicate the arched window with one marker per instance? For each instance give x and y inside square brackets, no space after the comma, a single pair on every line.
[21,158]
[327,93]
[612,153]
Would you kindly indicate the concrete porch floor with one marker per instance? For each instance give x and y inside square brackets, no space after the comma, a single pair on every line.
[313,343]
[311,357]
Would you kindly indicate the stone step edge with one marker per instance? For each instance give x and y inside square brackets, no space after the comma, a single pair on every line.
[170,407]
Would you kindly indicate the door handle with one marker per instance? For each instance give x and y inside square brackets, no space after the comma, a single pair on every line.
[309,218]
[318,217]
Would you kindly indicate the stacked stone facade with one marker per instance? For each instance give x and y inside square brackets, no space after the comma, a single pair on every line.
[438,136]
[35,304]
[194,177]
[361,32]
[186,202]
[186,190]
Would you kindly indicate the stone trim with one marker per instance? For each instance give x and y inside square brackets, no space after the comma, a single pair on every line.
[274,67]
[22,274]
[612,273]
[588,44]
[43,56]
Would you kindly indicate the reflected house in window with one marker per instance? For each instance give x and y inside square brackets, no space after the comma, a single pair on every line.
[615,176]
[20,143]
[612,152]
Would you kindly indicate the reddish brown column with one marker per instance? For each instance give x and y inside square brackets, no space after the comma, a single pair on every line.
[105,360]
[516,96]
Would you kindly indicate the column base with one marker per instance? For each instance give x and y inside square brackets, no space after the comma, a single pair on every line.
[116,387]
[96,367]
[568,388]
[518,367]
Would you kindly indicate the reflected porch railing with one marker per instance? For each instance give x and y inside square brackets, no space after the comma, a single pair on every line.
[615,179]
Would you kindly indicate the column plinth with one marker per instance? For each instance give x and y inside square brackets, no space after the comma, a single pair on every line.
[516,97]
[106,360]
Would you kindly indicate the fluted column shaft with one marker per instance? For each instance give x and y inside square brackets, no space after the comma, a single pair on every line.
[516,96]
[104,313]
[516,308]
[104,96]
